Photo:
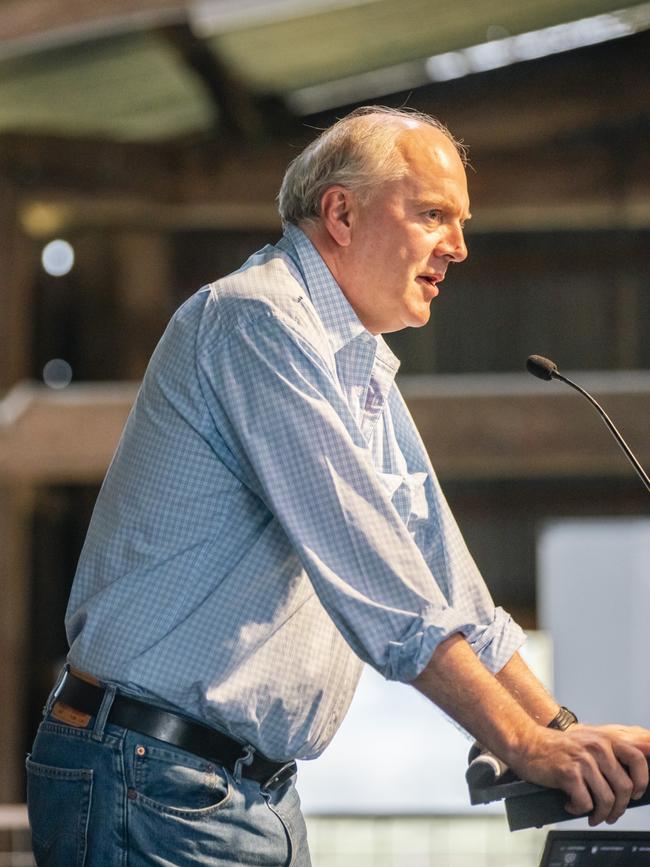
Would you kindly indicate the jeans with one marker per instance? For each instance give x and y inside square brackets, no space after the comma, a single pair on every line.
[105,796]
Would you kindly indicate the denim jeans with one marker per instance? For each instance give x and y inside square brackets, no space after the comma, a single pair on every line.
[104,796]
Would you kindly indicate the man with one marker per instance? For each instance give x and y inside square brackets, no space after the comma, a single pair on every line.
[269,522]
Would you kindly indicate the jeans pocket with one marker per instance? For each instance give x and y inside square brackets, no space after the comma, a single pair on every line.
[58,803]
[178,783]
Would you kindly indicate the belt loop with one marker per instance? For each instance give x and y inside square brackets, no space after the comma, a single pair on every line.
[243,761]
[54,694]
[102,713]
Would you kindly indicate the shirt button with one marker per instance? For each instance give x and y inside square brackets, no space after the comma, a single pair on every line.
[140,751]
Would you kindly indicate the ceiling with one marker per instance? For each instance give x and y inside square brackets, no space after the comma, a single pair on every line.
[160,70]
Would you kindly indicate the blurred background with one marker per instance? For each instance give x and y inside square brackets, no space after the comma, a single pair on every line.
[142,143]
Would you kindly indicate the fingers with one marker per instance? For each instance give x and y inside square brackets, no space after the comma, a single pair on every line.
[636,736]
[620,780]
[603,776]
[637,767]
[600,792]
[599,767]
[616,773]
[580,802]
[616,797]
[597,800]
[625,769]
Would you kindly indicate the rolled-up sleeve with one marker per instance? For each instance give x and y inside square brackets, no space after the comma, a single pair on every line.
[494,643]
[277,406]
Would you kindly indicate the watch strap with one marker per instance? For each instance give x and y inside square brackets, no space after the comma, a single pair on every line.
[563,719]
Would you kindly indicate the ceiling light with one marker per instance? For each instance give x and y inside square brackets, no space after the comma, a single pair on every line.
[474,59]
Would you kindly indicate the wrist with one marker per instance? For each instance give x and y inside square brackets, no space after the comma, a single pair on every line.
[530,742]
[563,719]
[522,739]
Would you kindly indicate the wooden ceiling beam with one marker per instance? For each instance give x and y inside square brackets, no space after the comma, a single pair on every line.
[474,427]
[70,184]
[26,25]
[236,114]
[51,216]
[511,426]
[49,437]
[45,218]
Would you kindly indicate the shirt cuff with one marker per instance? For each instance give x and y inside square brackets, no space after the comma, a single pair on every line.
[494,643]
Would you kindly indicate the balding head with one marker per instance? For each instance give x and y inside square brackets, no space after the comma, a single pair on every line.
[358,152]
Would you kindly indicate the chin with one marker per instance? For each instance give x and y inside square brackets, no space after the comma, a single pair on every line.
[411,318]
[418,318]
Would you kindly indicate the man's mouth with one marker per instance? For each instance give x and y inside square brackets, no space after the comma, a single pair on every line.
[431,280]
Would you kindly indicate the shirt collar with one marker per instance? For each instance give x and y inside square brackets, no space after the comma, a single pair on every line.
[334,310]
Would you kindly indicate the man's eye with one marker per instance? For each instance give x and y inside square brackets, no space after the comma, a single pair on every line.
[434,214]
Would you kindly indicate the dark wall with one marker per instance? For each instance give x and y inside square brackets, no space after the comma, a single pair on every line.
[581,298]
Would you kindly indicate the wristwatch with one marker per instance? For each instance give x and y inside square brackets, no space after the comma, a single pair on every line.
[563,719]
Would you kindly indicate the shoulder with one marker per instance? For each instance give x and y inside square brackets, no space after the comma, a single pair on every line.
[267,286]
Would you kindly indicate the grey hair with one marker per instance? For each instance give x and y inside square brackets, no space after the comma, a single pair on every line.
[357,152]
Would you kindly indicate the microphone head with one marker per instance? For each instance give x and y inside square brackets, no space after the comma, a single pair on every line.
[541,367]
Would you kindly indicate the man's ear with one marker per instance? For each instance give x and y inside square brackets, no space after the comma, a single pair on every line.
[336,207]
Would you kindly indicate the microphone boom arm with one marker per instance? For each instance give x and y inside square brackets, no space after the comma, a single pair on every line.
[610,424]
[544,368]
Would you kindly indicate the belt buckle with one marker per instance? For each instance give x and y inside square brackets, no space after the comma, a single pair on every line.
[280,776]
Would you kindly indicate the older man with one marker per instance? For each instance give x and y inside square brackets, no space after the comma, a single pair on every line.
[271,521]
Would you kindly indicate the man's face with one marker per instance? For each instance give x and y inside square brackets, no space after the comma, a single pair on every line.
[403,239]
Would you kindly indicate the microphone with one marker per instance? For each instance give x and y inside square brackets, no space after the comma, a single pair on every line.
[541,367]
[546,369]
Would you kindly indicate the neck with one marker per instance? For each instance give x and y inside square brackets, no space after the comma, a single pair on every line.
[334,256]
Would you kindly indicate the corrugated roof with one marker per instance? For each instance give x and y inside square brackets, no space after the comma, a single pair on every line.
[287,54]
[134,85]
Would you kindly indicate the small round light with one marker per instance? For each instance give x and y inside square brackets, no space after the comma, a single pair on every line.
[57,373]
[57,258]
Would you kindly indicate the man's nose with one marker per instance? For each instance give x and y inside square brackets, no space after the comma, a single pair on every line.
[452,246]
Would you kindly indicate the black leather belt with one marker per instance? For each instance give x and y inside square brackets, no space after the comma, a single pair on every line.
[172,728]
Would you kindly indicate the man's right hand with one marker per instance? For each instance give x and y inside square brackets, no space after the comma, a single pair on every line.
[599,767]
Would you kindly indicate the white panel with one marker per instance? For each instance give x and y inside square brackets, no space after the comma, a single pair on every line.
[594,601]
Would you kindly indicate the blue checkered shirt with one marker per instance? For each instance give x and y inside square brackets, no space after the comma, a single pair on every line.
[271,520]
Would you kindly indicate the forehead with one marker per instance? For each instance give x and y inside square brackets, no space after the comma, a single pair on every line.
[434,166]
